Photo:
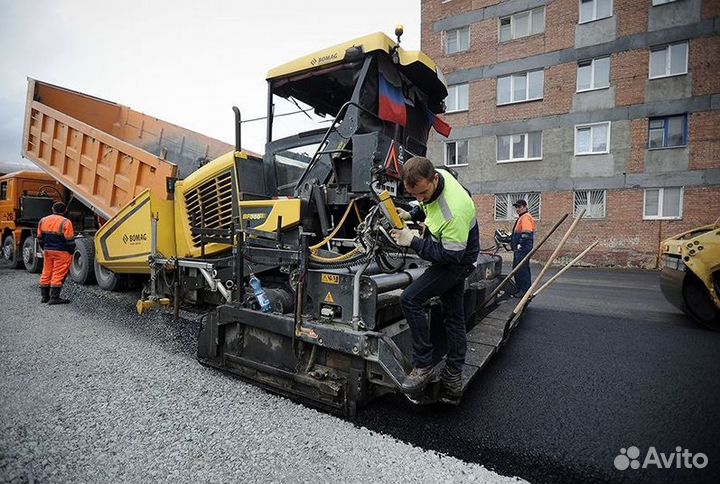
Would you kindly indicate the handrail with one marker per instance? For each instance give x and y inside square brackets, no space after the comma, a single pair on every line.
[316,156]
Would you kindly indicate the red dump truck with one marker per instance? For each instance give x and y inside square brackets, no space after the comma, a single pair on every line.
[105,154]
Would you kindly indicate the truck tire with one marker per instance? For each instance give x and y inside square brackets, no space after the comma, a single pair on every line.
[107,279]
[10,256]
[81,268]
[32,262]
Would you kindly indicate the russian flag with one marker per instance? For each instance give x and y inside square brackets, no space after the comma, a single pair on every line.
[392,103]
[438,123]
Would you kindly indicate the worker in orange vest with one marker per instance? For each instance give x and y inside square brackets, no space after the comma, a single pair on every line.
[55,235]
[522,239]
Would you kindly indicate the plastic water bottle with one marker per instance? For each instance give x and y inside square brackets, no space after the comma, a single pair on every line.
[263,300]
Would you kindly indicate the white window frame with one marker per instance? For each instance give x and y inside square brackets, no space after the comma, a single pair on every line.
[456,92]
[456,32]
[527,87]
[527,148]
[595,17]
[588,193]
[513,35]
[457,156]
[511,215]
[661,193]
[590,125]
[592,75]
[656,3]
[667,60]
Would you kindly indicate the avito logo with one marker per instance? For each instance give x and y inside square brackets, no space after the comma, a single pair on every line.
[680,459]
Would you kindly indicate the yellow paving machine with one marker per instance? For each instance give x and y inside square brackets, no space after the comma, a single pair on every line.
[290,252]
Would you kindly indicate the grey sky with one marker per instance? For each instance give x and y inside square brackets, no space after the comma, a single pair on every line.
[183,61]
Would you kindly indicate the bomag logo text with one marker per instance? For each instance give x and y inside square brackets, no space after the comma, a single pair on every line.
[327,58]
[134,238]
[254,216]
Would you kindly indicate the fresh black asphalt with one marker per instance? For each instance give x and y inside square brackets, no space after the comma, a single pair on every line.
[600,362]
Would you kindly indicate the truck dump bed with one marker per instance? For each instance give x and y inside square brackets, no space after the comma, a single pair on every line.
[104,152]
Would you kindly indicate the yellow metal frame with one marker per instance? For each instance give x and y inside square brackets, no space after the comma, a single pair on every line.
[288,209]
[124,242]
[335,54]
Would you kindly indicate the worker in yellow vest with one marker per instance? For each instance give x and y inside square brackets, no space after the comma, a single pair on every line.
[451,242]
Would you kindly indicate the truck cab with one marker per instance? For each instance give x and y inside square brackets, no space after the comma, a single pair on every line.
[25,197]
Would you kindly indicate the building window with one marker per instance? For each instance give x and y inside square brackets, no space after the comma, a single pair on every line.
[456,153]
[457,99]
[522,24]
[505,211]
[593,201]
[661,2]
[593,74]
[663,203]
[3,191]
[457,40]
[516,88]
[670,60]
[519,147]
[592,138]
[595,10]
[667,132]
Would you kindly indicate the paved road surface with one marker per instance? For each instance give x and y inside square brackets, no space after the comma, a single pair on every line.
[600,362]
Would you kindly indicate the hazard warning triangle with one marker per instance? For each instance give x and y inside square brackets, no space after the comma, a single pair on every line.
[329,298]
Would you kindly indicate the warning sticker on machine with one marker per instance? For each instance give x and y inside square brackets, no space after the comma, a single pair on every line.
[329,298]
[330,279]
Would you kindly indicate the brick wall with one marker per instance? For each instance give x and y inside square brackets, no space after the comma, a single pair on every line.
[560,19]
[638,145]
[628,72]
[626,240]
[711,9]
[704,140]
[632,16]
[558,94]
[703,65]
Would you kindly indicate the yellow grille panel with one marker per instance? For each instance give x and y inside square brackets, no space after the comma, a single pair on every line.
[209,206]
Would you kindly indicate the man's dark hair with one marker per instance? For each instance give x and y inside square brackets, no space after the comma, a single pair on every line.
[58,207]
[417,168]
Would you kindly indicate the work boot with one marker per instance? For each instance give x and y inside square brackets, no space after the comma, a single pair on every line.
[55,296]
[451,382]
[45,293]
[417,379]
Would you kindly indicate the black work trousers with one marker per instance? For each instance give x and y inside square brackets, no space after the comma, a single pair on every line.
[446,281]
[523,279]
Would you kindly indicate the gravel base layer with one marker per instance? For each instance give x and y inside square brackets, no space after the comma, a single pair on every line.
[91,392]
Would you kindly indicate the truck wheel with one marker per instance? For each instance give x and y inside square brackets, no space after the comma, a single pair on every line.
[107,279]
[10,256]
[33,263]
[81,269]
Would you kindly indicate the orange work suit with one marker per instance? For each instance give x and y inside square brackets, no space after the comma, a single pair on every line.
[55,234]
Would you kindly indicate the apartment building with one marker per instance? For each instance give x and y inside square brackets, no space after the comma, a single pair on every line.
[608,105]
